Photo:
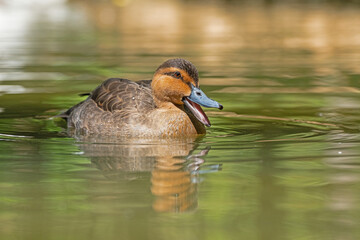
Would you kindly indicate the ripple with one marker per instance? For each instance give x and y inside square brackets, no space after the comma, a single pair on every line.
[9,137]
[299,122]
[12,89]
[272,90]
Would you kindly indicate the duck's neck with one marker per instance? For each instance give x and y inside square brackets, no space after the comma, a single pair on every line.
[167,105]
[173,120]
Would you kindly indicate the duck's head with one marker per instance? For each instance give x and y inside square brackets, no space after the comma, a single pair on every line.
[176,82]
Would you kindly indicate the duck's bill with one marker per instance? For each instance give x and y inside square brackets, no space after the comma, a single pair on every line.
[197,111]
[197,98]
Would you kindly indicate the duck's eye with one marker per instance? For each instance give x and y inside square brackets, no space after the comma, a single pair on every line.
[177,74]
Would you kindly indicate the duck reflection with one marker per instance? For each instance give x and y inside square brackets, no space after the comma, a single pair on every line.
[174,166]
[174,182]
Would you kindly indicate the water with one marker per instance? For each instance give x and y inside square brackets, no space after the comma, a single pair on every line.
[281,161]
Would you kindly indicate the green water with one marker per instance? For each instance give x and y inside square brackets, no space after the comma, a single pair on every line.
[281,161]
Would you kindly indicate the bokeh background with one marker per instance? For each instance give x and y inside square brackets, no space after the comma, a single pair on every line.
[281,161]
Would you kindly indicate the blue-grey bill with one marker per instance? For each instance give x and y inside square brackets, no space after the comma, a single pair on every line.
[199,97]
[197,111]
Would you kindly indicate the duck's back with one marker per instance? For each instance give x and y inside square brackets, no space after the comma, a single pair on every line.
[118,94]
[116,105]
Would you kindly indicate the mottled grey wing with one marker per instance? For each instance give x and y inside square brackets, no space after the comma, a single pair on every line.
[145,83]
[122,94]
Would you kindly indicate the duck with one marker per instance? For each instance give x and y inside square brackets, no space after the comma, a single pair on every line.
[168,105]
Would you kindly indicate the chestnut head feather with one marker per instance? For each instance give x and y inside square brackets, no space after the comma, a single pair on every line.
[176,82]
[172,81]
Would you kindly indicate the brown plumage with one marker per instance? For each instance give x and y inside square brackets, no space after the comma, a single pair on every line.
[161,107]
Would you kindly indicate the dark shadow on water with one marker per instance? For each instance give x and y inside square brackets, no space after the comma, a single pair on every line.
[175,167]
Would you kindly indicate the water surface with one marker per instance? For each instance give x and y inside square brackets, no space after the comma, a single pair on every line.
[281,161]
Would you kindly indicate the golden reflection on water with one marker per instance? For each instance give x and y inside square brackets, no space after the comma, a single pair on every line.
[218,32]
[172,163]
[172,186]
